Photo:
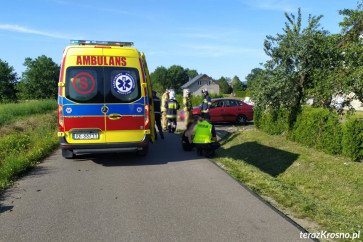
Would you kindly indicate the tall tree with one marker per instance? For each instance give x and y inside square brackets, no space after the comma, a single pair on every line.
[237,84]
[176,77]
[324,82]
[350,73]
[294,56]
[159,79]
[254,77]
[8,79]
[224,87]
[40,79]
[191,73]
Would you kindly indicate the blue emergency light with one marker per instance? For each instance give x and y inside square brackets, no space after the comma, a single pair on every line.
[95,42]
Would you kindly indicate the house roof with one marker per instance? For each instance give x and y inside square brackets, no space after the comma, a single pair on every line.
[193,80]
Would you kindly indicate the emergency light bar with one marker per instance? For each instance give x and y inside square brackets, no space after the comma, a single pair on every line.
[94,42]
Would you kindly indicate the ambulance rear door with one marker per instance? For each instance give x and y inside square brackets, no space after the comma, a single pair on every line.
[124,97]
[150,97]
[83,100]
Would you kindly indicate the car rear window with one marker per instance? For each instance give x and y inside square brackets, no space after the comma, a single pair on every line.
[102,84]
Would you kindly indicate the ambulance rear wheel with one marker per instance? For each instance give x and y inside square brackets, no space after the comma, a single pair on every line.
[143,152]
[68,154]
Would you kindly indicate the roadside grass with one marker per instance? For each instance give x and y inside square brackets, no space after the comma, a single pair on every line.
[12,112]
[21,148]
[311,185]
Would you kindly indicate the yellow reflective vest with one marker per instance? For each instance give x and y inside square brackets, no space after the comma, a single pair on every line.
[203,133]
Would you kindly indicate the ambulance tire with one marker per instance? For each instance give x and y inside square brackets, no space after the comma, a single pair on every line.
[143,152]
[68,154]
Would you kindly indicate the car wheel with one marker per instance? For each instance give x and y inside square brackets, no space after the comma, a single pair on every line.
[143,152]
[241,120]
[68,154]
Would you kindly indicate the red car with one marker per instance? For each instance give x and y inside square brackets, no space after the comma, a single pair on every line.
[228,110]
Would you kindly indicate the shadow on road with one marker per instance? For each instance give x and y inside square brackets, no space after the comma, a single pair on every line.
[269,160]
[161,152]
[4,209]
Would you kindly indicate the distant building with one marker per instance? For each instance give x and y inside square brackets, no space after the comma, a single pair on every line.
[200,82]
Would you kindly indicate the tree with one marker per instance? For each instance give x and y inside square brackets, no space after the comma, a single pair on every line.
[172,78]
[159,79]
[176,77]
[294,56]
[350,73]
[224,87]
[324,82]
[254,77]
[191,73]
[8,79]
[237,84]
[40,79]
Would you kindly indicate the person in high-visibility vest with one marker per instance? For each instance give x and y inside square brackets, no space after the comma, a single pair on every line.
[207,101]
[205,139]
[171,106]
[164,120]
[188,108]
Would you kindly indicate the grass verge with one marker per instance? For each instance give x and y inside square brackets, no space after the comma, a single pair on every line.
[23,147]
[9,113]
[311,185]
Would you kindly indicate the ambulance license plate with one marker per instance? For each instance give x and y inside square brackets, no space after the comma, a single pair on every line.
[85,136]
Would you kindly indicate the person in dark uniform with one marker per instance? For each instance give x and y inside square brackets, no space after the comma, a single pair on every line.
[157,112]
[187,137]
[171,106]
[207,101]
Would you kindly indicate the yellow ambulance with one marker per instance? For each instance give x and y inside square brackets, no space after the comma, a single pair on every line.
[104,99]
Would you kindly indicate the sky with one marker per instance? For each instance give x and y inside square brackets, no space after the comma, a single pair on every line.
[217,38]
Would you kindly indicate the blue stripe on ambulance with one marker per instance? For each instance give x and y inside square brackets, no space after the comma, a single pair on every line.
[126,109]
[66,101]
[95,109]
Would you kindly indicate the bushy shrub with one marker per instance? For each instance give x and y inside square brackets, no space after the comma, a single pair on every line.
[257,116]
[273,122]
[13,143]
[352,140]
[318,128]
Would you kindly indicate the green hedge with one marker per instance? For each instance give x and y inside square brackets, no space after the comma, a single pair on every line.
[318,128]
[352,140]
[273,122]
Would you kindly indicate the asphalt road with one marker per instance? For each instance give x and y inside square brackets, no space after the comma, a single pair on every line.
[169,195]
